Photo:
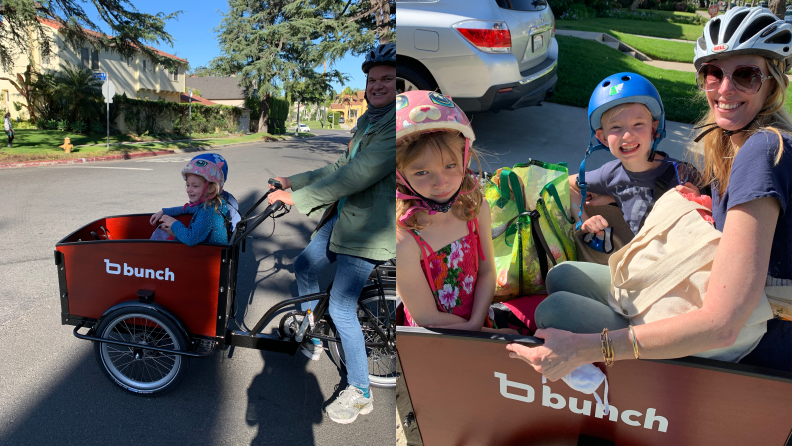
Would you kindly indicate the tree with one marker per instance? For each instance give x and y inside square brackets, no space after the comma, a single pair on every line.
[201,71]
[80,91]
[23,85]
[279,43]
[778,8]
[132,30]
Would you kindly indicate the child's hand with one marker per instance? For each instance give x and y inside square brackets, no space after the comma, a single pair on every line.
[155,218]
[688,188]
[166,221]
[598,200]
[595,225]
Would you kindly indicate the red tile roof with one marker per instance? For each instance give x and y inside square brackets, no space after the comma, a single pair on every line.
[195,99]
[57,26]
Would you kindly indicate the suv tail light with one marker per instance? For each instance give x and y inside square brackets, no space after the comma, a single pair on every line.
[490,37]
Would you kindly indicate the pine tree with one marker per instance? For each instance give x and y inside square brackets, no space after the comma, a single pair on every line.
[272,44]
[131,29]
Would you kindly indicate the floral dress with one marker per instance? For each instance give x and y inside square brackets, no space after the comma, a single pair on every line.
[451,273]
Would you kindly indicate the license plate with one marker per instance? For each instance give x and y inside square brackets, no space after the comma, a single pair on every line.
[538,43]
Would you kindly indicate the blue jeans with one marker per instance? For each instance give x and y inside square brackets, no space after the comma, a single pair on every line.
[350,278]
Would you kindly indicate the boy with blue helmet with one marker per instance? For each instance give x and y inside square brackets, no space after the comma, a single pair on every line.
[233,206]
[626,116]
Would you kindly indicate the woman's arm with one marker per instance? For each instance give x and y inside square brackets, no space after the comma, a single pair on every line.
[738,276]
[412,287]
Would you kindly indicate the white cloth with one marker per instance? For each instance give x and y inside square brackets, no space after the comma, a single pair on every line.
[7,125]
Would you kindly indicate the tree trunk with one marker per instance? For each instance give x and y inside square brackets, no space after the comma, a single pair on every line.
[264,115]
[777,7]
[385,22]
[634,5]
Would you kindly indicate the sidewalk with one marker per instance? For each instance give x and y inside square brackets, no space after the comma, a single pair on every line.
[126,156]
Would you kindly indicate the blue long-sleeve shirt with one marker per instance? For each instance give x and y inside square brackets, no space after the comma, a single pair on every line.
[233,209]
[206,225]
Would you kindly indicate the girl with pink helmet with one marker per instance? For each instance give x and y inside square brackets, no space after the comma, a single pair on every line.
[440,204]
[204,182]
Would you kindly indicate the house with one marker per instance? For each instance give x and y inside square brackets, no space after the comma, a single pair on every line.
[351,106]
[219,89]
[137,77]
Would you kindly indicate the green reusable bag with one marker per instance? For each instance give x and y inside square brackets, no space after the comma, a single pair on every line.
[547,198]
[511,237]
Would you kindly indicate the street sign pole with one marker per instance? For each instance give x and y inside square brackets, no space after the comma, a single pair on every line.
[107,99]
[190,101]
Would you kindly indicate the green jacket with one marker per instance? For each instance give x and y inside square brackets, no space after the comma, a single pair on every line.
[367,224]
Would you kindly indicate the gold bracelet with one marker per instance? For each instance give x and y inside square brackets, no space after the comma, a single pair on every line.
[607,348]
[635,343]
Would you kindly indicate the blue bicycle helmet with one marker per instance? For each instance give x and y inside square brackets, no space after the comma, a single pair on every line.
[617,89]
[215,158]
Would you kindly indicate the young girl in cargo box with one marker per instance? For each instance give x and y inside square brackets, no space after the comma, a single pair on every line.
[204,181]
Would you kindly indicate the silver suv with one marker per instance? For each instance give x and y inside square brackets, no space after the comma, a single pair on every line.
[485,54]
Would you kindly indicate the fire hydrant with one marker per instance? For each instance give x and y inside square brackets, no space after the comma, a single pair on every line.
[66,146]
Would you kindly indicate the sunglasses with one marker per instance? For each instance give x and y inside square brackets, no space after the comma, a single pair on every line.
[746,78]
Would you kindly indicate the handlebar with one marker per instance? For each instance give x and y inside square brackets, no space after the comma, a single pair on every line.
[257,219]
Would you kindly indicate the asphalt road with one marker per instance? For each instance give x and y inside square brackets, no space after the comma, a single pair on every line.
[51,389]
[552,133]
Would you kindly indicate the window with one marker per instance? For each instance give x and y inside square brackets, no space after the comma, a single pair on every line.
[89,58]
[144,65]
[129,61]
[175,74]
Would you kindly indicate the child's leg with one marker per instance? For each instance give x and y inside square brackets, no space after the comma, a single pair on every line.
[315,257]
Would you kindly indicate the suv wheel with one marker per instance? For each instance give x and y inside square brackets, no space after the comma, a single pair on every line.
[408,79]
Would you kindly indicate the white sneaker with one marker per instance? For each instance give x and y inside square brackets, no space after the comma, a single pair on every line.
[311,350]
[349,404]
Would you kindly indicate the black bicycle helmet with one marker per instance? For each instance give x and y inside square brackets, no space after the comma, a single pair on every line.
[381,55]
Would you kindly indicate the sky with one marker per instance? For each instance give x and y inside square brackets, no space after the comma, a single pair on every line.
[194,37]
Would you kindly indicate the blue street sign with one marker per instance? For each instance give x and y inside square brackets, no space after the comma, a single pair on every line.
[100,76]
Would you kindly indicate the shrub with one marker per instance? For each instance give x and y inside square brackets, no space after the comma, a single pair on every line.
[63,125]
[579,11]
[79,127]
[52,124]
[97,127]
[41,124]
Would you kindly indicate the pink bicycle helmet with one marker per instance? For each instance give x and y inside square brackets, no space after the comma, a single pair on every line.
[209,171]
[420,112]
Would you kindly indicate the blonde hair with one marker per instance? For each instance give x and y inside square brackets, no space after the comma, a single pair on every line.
[715,163]
[611,113]
[445,144]
[212,194]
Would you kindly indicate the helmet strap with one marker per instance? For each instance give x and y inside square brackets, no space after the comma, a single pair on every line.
[714,125]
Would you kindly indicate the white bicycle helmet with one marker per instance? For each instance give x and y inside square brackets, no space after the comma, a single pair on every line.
[745,31]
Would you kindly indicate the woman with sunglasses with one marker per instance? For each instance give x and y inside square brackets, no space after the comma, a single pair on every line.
[747,159]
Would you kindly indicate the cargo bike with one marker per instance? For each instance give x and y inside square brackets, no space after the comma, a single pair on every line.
[150,305]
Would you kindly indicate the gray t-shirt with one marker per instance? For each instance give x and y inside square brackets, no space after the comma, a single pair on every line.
[633,191]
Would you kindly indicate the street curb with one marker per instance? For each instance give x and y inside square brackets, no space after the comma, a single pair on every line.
[84,160]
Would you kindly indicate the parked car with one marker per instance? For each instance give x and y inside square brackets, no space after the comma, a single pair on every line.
[340,119]
[302,128]
[485,54]
[354,129]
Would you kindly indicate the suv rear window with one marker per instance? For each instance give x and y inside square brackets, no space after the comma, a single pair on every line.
[522,5]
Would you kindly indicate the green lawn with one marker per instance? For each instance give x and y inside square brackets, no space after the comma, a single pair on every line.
[658,49]
[586,63]
[645,28]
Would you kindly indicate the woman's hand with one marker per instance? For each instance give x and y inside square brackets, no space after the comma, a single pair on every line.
[280,195]
[155,218]
[562,352]
[284,181]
